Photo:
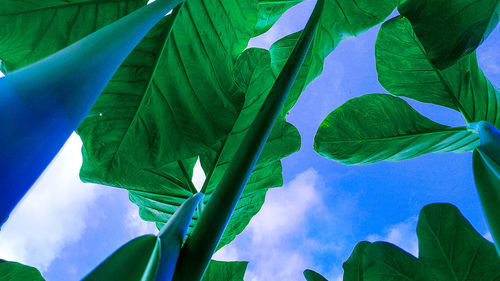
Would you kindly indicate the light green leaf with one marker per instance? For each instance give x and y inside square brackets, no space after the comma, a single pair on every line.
[451,29]
[340,19]
[379,127]
[270,11]
[313,276]
[225,271]
[32,30]
[13,271]
[449,249]
[404,69]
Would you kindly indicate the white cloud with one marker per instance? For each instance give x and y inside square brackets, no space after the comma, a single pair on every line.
[135,225]
[198,175]
[52,214]
[278,242]
[402,235]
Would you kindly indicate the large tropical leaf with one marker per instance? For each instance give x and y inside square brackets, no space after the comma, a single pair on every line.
[449,249]
[13,271]
[148,109]
[379,127]
[32,30]
[339,20]
[253,76]
[405,69]
[225,271]
[450,29]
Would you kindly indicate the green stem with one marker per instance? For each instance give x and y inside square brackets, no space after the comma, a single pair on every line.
[199,247]
[486,165]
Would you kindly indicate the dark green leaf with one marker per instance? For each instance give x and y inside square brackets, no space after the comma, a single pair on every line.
[404,69]
[13,271]
[451,29]
[313,276]
[449,249]
[225,271]
[379,127]
[32,30]
[339,20]
[132,259]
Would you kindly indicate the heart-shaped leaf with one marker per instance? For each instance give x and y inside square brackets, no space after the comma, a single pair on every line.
[378,127]
[449,249]
[405,69]
[450,29]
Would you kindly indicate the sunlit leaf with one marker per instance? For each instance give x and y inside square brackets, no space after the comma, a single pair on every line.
[225,271]
[270,11]
[13,271]
[32,30]
[379,127]
[451,29]
[404,69]
[449,249]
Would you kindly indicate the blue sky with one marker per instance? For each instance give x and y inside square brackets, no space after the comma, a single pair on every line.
[65,227]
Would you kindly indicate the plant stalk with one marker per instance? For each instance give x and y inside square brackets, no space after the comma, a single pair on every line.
[41,104]
[199,247]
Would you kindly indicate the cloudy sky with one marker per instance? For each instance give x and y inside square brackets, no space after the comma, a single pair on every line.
[65,227]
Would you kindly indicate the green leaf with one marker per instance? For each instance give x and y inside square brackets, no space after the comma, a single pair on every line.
[269,11]
[13,271]
[32,30]
[340,19]
[149,257]
[147,108]
[132,259]
[486,165]
[451,29]
[449,249]
[379,127]
[405,69]
[313,276]
[225,271]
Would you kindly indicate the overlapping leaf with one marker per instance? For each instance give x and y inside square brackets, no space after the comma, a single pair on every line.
[225,271]
[270,11]
[449,249]
[405,69]
[254,76]
[449,29]
[32,30]
[13,271]
[339,20]
[379,127]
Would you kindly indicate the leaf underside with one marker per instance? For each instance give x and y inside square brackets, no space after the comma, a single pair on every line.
[449,249]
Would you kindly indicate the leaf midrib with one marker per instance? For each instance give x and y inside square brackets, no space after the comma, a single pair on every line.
[451,130]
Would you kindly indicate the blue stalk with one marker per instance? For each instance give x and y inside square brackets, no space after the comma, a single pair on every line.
[41,104]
